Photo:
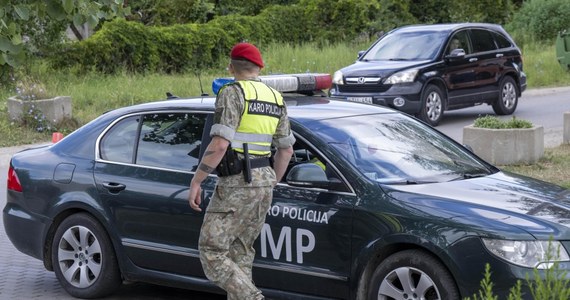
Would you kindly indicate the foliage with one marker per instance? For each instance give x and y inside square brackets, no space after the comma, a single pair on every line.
[486,291]
[442,11]
[492,122]
[166,13]
[540,20]
[30,88]
[17,15]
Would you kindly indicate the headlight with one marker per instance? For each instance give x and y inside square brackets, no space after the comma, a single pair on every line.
[402,77]
[531,254]
[337,78]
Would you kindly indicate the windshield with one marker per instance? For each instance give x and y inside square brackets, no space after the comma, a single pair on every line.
[412,46]
[393,149]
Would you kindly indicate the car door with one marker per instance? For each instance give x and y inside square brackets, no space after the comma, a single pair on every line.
[488,59]
[304,245]
[459,73]
[144,165]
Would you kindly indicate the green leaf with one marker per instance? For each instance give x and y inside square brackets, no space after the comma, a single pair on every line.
[92,21]
[55,10]
[17,39]
[2,60]
[78,20]
[67,6]
[22,11]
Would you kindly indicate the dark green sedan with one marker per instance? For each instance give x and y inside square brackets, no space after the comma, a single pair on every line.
[375,205]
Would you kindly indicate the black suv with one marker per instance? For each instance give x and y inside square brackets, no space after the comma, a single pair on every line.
[425,70]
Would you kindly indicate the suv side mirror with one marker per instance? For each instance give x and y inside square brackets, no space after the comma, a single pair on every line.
[456,54]
[360,53]
[307,175]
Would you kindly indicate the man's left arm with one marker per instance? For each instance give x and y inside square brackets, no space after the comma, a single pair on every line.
[212,157]
[283,140]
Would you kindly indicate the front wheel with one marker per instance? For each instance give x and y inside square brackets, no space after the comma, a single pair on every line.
[432,105]
[508,99]
[83,258]
[412,274]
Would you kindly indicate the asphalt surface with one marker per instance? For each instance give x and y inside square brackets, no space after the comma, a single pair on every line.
[24,277]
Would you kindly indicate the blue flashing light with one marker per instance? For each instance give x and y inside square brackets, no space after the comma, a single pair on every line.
[219,82]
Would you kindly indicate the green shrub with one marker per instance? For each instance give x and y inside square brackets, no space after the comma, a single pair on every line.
[492,122]
[540,20]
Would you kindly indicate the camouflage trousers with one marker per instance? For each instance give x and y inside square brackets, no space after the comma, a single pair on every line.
[233,221]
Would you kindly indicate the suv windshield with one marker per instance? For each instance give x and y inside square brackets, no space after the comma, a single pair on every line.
[417,45]
[394,150]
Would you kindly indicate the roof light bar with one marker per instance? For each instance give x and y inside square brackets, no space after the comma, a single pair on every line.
[299,83]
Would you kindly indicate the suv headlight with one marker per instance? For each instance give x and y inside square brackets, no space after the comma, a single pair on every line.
[337,78]
[531,254]
[402,77]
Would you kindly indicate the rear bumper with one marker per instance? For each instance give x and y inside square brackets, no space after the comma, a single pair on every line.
[25,231]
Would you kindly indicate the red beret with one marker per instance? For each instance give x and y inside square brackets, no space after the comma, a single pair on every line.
[247,51]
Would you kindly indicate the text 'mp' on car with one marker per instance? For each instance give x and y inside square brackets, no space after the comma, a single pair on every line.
[374,204]
[425,70]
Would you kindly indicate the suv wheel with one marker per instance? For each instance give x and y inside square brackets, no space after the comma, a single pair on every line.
[432,105]
[412,274]
[508,99]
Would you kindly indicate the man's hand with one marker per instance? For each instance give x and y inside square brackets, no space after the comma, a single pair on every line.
[194,196]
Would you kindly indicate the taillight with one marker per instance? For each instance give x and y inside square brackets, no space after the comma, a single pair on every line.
[13,181]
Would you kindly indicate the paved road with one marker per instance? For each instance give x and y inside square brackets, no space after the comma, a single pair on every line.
[22,277]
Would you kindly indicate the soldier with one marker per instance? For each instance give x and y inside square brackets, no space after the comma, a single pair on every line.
[250,117]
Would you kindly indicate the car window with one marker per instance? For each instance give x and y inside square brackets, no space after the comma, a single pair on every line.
[502,41]
[417,45]
[459,40]
[171,140]
[118,143]
[165,140]
[303,153]
[393,149]
[482,40]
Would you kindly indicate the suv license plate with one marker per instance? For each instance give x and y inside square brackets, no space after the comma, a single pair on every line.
[367,100]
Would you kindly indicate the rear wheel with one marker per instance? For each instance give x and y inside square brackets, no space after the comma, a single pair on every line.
[508,99]
[83,258]
[432,105]
[412,274]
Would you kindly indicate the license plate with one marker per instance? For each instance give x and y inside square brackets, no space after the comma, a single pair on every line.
[360,99]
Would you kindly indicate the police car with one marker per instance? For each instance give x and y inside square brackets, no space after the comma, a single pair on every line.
[374,205]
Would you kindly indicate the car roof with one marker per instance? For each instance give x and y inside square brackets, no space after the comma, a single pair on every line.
[298,107]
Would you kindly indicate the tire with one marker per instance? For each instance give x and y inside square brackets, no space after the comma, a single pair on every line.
[507,102]
[84,261]
[433,103]
[412,274]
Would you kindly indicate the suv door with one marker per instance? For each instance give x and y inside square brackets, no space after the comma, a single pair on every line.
[460,71]
[489,60]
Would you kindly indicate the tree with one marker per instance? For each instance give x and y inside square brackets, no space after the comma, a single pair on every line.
[21,20]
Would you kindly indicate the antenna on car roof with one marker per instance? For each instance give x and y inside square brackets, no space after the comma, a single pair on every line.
[201,88]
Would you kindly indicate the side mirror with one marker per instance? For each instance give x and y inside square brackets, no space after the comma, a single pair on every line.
[456,54]
[360,53]
[307,175]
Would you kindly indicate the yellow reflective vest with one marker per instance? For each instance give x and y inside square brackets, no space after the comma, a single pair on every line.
[262,110]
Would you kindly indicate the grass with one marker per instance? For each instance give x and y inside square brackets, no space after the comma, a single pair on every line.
[553,167]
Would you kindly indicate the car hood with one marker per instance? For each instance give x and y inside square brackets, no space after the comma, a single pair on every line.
[379,68]
[539,208]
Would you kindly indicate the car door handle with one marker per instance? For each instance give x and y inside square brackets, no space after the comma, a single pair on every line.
[114,187]
[500,55]
[473,59]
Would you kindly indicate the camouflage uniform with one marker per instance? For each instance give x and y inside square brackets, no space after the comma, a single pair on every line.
[237,210]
